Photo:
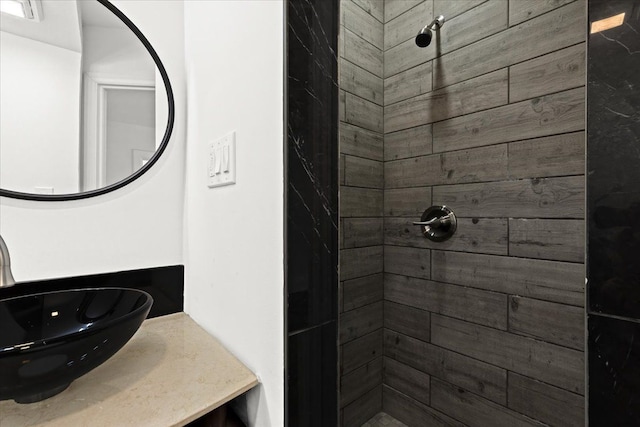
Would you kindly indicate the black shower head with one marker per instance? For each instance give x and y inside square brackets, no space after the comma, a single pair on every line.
[423,39]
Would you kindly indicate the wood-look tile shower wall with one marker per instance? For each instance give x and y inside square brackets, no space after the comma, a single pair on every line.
[486,329]
[361,207]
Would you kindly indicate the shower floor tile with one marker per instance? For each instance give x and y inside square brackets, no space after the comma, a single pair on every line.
[383,420]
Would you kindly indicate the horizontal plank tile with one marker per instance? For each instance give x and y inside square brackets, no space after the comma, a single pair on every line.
[363,113]
[360,232]
[474,305]
[535,198]
[414,262]
[374,8]
[360,351]
[408,143]
[362,24]
[360,322]
[407,320]
[362,53]
[341,169]
[546,403]
[360,381]
[363,409]
[558,113]
[559,366]
[406,380]
[362,291]
[410,202]
[521,10]
[555,323]
[478,235]
[451,9]
[554,72]
[473,410]
[407,25]
[361,82]
[485,20]
[407,84]
[342,113]
[360,202]
[404,56]
[480,93]
[547,280]
[361,172]
[394,8]
[475,165]
[538,36]
[475,24]
[360,262]
[360,142]
[411,412]
[556,155]
[481,378]
[555,239]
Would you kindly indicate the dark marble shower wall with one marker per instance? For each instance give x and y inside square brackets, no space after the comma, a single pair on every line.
[486,329]
[311,197]
[614,215]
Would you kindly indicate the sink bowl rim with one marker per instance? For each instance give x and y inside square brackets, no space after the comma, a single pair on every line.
[48,342]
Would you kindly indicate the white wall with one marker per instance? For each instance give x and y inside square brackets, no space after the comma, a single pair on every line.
[39,115]
[137,226]
[234,234]
[116,52]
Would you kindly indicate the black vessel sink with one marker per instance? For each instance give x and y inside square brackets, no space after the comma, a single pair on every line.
[47,340]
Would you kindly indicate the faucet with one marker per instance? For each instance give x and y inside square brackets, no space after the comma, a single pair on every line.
[6,278]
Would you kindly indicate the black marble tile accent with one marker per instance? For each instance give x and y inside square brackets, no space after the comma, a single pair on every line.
[312,162]
[614,372]
[164,284]
[613,160]
[312,378]
[311,205]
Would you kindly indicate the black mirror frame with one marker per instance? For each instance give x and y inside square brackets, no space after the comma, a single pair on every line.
[163,145]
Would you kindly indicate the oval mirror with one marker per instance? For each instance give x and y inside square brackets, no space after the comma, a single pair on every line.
[85,103]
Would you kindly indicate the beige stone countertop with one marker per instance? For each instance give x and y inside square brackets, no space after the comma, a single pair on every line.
[170,373]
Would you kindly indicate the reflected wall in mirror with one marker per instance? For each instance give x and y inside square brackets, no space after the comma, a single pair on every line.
[85,103]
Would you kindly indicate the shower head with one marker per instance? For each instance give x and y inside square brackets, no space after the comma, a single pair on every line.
[423,39]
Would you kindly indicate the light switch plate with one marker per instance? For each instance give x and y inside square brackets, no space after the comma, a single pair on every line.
[221,162]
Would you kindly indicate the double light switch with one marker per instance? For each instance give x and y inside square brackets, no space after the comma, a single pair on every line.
[222,161]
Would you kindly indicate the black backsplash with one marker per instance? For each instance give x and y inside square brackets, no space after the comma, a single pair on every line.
[164,284]
[613,215]
[311,165]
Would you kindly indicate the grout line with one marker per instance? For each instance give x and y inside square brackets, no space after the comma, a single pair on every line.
[484,73]
[477,360]
[613,316]
[310,328]
[482,324]
[370,14]
[504,180]
[364,39]
[492,255]
[363,69]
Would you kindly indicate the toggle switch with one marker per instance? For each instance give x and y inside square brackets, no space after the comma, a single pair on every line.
[222,162]
[225,158]
[218,160]
[212,161]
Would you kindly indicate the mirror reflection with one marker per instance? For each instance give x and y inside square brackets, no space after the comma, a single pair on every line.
[82,105]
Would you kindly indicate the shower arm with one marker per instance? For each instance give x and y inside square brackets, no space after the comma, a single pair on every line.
[435,24]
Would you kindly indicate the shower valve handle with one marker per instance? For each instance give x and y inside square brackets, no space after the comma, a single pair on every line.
[438,223]
[435,222]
